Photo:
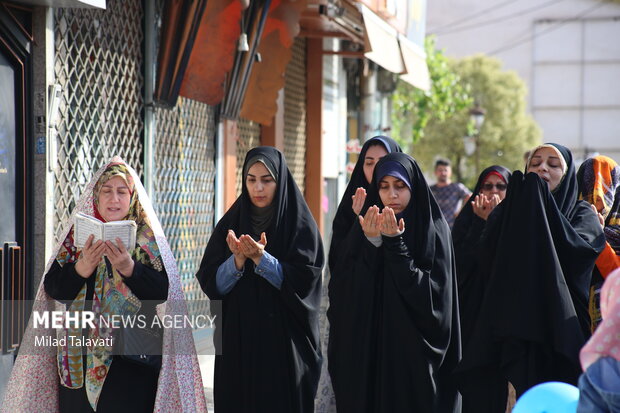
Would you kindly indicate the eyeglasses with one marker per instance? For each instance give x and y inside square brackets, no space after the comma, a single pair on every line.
[489,186]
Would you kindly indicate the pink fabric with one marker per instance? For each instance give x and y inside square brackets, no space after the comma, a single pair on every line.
[605,342]
[33,386]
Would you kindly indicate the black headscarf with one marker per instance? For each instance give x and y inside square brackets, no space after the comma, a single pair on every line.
[541,247]
[466,233]
[270,354]
[261,216]
[394,336]
[345,216]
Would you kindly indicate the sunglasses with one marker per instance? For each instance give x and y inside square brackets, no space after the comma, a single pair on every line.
[489,186]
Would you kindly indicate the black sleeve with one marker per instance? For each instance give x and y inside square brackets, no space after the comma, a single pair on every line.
[147,283]
[586,224]
[412,282]
[358,259]
[63,283]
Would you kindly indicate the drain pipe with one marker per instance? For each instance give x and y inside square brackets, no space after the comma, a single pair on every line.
[149,106]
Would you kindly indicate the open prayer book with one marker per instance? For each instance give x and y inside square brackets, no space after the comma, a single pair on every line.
[106,231]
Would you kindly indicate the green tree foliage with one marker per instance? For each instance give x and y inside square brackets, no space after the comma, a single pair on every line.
[507,132]
[414,108]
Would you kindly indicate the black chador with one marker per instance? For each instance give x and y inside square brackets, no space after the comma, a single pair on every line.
[394,328]
[466,234]
[269,357]
[345,217]
[540,248]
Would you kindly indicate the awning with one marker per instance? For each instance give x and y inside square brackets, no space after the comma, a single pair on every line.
[335,19]
[213,51]
[99,4]
[267,77]
[181,23]
[416,73]
[381,42]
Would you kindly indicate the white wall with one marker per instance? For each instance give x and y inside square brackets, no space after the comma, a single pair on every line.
[567,51]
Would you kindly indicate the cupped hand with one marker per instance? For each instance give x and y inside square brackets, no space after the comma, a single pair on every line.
[235,247]
[389,225]
[358,200]
[482,205]
[253,249]
[371,222]
[90,257]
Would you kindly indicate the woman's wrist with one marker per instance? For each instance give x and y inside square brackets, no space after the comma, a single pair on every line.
[83,269]
[127,270]
[239,261]
[257,259]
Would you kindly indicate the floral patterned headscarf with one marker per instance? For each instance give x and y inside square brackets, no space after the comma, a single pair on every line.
[33,385]
[111,295]
[599,184]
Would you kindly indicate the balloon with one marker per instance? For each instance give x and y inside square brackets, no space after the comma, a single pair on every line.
[551,397]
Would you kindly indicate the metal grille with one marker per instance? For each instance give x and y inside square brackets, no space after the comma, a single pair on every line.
[184,186]
[249,137]
[98,65]
[295,113]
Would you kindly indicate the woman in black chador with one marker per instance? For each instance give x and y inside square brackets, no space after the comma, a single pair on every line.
[540,245]
[489,192]
[472,279]
[394,337]
[355,194]
[264,262]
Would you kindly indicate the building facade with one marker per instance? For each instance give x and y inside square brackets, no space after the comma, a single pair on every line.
[566,51]
[177,95]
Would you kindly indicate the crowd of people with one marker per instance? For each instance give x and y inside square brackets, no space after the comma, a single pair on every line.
[440,299]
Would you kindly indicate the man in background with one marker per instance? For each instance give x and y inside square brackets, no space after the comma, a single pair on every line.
[450,196]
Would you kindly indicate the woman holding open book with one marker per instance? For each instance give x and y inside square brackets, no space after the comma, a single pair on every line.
[264,262]
[108,278]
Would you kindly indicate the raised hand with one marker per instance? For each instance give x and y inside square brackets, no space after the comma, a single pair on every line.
[119,257]
[482,206]
[235,247]
[252,249]
[371,222]
[389,226]
[90,257]
[358,200]
[495,200]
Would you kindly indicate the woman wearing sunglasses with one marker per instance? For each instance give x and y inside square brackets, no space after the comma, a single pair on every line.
[468,227]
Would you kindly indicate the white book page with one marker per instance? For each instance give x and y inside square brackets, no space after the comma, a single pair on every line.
[125,230]
[86,225]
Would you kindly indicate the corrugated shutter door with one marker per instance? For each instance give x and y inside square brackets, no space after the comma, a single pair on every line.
[184,185]
[295,113]
[98,65]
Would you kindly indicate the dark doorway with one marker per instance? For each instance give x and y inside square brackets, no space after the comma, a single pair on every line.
[15,162]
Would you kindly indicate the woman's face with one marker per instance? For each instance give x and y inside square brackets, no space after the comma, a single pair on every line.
[547,164]
[373,154]
[493,185]
[114,199]
[394,193]
[261,185]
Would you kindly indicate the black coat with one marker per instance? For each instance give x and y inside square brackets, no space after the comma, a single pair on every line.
[394,328]
[267,340]
[541,247]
